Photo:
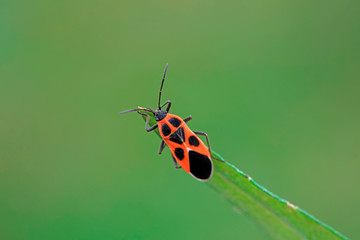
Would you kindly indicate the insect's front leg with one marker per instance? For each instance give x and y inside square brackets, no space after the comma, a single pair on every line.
[168,107]
[208,143]
[147,122]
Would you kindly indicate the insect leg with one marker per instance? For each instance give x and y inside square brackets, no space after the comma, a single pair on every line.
[175,162]
[147,125]
[162,146]
[147,122]
[168,107]
[187,119]
[207,140]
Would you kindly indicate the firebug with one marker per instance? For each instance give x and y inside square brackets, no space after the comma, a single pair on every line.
[187,149]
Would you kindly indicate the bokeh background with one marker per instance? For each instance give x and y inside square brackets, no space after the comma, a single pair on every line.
[275,84]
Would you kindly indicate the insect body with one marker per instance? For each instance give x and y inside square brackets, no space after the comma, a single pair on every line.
[187,149]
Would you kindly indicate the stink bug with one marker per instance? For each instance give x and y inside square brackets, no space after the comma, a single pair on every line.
[187,149]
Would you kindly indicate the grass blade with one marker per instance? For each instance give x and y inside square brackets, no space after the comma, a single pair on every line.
[277,217]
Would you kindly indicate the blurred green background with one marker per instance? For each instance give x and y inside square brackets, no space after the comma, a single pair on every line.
[275,84]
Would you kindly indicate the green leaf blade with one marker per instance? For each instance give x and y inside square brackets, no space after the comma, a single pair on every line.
[277,217]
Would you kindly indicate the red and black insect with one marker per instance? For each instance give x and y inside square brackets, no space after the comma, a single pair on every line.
[188,151]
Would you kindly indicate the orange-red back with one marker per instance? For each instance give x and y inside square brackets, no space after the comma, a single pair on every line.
[187,148]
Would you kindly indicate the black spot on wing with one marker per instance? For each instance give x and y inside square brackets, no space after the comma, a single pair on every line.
[193,141]
[200,165]
[165,129]
[175,122]
[178,136]
[179,153]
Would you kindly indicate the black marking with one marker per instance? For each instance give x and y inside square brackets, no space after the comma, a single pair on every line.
[175,122]
[178,136]
[165,129]
[179,153]
[200,165]
[193,141]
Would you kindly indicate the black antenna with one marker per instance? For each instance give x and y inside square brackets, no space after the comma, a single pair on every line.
[162,83]
[137,109]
